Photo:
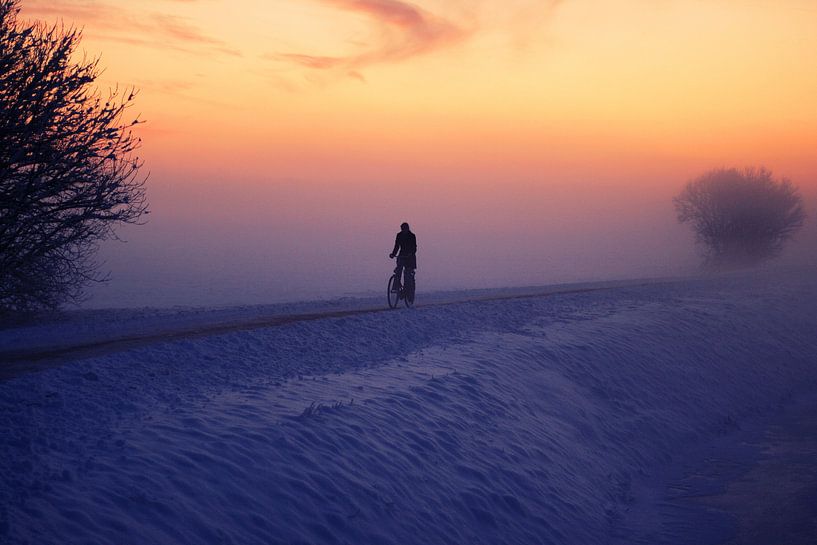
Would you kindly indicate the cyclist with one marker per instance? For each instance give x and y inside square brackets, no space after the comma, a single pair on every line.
[406,243]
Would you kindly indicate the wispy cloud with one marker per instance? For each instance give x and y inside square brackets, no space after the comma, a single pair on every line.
[110,21]
[180,30]
[406,31]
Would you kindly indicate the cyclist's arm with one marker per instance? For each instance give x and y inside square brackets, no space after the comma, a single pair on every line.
[396,245]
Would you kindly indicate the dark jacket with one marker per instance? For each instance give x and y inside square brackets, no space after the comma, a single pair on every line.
[406,243]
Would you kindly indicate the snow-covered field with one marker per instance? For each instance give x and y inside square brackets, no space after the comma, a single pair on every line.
[552,419]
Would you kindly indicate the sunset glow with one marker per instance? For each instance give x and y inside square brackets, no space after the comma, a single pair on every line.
[399,81]
[517,113]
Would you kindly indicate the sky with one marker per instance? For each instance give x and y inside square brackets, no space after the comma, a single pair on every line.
[526,142]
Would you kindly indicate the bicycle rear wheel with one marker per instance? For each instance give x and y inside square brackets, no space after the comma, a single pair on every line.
[392,296]
[408,293]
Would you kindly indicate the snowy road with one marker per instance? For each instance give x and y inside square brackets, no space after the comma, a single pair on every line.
[30,348]
[559,419]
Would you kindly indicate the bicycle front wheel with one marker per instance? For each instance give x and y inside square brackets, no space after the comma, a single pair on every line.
[392,294]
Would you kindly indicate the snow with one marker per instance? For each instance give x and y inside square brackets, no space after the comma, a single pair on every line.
[497,417]
[93,326]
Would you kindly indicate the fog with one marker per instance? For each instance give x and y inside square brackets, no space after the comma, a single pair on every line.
[525,144]
[216,242]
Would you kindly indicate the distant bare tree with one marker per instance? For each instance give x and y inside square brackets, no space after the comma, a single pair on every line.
[741,217]
[67,172]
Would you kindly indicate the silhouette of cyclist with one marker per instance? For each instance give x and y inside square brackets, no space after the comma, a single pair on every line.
[406,243]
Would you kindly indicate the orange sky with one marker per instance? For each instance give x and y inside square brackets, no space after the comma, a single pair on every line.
[538,83]
[517,112]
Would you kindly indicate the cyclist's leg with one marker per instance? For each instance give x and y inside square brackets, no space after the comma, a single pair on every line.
[409,284]
[398,273]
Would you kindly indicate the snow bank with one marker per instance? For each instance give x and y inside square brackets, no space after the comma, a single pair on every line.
[526,421]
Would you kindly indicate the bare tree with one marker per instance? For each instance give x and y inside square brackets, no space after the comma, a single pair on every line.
[741,217]
[68,175]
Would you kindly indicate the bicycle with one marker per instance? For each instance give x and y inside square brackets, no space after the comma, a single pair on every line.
[405,293]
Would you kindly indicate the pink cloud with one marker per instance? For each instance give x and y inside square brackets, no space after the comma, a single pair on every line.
[107,20]
[407,31]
